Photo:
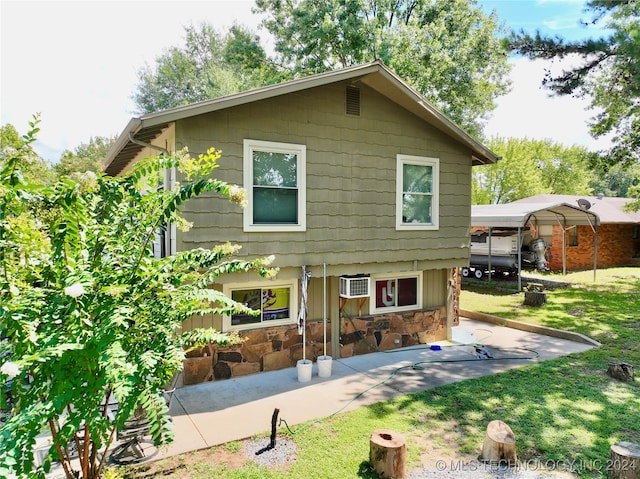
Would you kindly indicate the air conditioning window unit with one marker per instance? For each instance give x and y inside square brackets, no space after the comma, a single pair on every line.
[354,287]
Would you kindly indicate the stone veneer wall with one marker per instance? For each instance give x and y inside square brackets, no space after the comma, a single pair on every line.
[383,332]
[265,349]
[281,347]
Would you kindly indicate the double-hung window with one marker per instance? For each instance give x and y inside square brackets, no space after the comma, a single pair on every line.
[417,184]
[396,292]
[274,177]
[275,301]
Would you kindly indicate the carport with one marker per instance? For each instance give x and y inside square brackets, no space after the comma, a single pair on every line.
[521,215]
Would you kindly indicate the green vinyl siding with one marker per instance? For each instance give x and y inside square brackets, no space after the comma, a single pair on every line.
[350,177]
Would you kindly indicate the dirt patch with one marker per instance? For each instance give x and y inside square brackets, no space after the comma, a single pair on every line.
[440,459]
[189,465]
[227,457]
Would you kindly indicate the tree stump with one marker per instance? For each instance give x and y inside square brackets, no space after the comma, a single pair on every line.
[624,461]
[621,371]
[499,444]
[387,453]
[535,295]
[535,298]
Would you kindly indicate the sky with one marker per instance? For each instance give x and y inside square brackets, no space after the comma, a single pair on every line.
[76,63]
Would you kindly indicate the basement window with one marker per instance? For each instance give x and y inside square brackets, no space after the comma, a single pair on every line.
[276,302]
[396,292]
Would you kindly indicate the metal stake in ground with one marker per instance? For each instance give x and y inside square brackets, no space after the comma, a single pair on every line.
[272,443]
[274,419]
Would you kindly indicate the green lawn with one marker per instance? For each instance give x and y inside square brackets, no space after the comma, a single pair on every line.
[562,411]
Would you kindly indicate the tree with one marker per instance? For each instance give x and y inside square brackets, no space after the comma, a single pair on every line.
[86,157]
[609,72]
[617,180]
[209,65]
[446,49]
[34,168]
[530,167]
[93,301]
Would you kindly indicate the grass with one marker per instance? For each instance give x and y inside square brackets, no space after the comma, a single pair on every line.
[565,412]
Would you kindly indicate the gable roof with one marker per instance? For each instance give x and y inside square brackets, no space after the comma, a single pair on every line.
[375,75]
[609,209]
[516,215]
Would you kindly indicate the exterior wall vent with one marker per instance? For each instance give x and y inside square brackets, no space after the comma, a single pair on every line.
[352,103]
[354,287]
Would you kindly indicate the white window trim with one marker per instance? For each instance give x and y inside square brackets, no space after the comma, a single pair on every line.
[396,276]
[402,160]
[293,313]
[301,152]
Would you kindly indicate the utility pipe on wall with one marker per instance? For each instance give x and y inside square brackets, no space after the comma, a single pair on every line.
[324,306]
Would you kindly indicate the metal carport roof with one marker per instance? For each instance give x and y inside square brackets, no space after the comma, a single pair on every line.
[518,215]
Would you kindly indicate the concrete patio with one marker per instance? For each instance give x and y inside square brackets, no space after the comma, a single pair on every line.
[213,413]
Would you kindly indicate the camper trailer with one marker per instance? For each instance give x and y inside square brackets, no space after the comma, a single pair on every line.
[500,252]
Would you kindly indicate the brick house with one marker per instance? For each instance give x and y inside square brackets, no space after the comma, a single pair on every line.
[618,237]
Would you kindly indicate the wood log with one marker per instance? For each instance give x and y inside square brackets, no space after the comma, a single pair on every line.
[499,445]
[535,298]
[624,461]
[621,371]
[388,454]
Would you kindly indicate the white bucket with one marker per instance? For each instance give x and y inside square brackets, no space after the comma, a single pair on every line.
[324,366]
[305,369]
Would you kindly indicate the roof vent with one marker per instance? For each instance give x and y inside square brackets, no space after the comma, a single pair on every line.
[352,103]
[584,204]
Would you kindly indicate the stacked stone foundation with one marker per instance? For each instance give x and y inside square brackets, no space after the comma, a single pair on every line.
[383,332]
[275,348]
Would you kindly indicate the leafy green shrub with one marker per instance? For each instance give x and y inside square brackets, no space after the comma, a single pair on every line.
[88,315]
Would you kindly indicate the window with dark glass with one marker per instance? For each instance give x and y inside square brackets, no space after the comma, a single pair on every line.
[573,236]
[396,292]
[273,304]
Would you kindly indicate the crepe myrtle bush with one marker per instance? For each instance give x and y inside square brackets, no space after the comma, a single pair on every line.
[89,316]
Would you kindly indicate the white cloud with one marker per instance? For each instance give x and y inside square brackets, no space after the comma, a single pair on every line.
[565,23]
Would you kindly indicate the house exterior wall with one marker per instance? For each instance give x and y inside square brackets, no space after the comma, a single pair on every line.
[351,171]
[616,247]
[350,223]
